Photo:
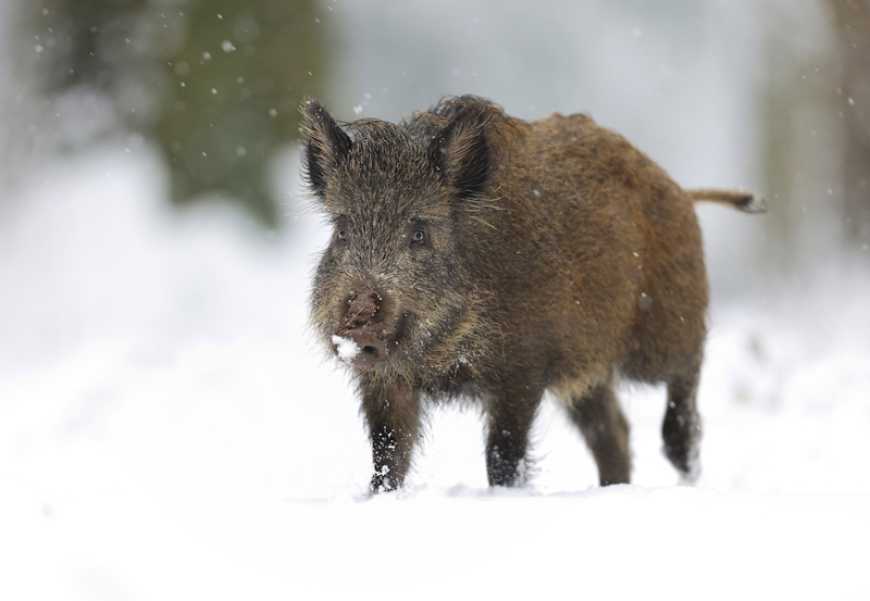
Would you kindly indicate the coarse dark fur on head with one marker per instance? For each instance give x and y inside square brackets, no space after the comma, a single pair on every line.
[480,255]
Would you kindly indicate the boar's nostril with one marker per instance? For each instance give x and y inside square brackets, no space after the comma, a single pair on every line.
[362,309]
[357,320]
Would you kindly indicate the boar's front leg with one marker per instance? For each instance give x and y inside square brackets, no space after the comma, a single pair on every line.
[510,415]
[392,411]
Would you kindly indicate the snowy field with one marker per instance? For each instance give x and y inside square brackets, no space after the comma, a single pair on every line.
[169,430]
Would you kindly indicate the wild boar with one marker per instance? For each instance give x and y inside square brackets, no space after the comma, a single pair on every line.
[477,255]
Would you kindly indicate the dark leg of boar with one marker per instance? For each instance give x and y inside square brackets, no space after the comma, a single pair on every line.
[605,429]
[510,416]
[681,429]
[393,415]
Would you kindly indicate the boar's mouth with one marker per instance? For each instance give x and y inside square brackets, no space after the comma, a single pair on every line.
[371,345]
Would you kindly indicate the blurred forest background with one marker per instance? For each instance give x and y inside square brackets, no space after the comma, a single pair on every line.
[773,97]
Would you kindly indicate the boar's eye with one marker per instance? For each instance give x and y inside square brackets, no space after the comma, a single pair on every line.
[341,232]
[418,235]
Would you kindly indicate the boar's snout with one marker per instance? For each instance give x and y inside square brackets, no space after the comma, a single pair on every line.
[367,323]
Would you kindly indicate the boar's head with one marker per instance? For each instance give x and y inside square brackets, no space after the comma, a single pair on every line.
[396,281]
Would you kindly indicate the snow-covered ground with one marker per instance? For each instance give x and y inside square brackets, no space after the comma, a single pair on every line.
[170,430]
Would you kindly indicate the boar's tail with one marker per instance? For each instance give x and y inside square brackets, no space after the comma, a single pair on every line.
[744,201]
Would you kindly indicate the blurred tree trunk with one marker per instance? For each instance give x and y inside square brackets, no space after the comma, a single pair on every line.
[816,120]
[852,21]
[792,104]
[779,158]
[216,83]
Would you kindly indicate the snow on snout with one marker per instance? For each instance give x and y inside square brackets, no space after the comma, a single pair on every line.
[346,348]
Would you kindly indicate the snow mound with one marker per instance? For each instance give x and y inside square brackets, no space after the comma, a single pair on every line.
[347,349]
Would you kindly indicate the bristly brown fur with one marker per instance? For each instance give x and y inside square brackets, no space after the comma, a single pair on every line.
[478,255]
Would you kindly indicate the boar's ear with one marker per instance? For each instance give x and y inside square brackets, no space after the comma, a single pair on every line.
[326,144]
[460,152]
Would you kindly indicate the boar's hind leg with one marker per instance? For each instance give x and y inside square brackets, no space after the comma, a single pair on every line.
[681,429]
[510,416]
[393,416]
[605,429]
